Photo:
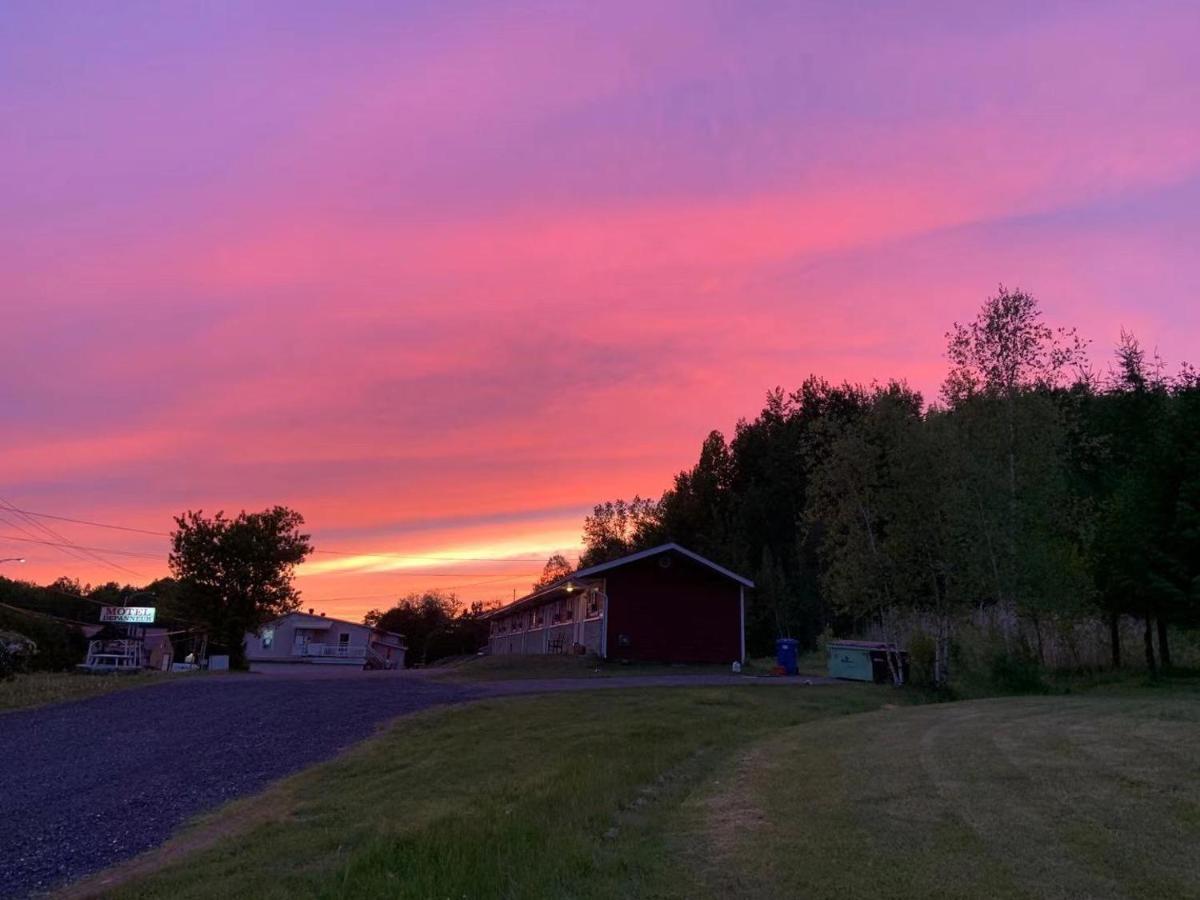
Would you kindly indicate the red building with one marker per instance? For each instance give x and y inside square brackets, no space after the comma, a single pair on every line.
[666,604]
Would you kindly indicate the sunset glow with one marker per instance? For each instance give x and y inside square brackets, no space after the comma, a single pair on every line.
[443,276]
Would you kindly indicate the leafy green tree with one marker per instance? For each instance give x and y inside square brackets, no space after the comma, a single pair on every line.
[1030,490]
[1144,484]
[236,574]
[880,498]
[1006,391]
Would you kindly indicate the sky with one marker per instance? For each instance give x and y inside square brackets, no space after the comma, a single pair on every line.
[442,276]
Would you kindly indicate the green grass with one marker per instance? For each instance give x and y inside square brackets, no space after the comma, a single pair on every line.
[42,688]
[840,791]
[1082,796]
[515,666]
[557,797]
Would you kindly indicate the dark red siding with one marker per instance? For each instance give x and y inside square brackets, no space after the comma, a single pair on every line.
[681,612]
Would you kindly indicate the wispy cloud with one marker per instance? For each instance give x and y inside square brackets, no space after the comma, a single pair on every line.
[443,280]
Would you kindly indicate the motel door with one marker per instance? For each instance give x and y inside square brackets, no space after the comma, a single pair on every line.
[580,611]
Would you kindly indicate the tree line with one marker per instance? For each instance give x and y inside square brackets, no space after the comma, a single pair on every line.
[1033,486]
[230,575]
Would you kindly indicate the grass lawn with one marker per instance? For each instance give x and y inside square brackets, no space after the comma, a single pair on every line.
[1092,796]
[509,667]
[516,666]
[830,791]
[553,796]
[41,688]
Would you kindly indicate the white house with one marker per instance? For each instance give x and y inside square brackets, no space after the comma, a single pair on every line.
[305,639]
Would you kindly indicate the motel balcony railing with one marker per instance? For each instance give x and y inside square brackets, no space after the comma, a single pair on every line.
[334,651]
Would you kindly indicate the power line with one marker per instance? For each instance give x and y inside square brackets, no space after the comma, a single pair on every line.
[42,515]
[132,553]
[45,529]
[30,534]
[34,612]
[49,588]
[61,544]
[379,555]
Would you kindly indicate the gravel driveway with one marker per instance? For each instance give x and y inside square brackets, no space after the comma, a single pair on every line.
[89,783]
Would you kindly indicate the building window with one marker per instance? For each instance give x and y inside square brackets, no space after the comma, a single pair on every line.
[268,637]
[539,616]
[593,604]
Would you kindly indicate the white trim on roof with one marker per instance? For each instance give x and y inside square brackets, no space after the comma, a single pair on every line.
[604,567]
[329,620]
[654,551]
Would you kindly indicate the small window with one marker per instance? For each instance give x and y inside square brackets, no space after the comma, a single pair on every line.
[343,638]
[268,637]
[593,605]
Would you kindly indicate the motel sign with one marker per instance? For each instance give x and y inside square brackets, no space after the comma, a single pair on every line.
[127,615]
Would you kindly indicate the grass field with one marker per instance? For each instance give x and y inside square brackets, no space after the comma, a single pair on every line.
[1095,796]
[556,796]
[41,688]
[513,667]
[507,668]
[725,792]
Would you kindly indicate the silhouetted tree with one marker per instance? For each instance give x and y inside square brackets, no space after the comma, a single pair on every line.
[435,624]
[236,574]
[616,528]
[556,568]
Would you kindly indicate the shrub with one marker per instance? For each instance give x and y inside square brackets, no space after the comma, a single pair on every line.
[922,653]
[1017,673]
[15,653]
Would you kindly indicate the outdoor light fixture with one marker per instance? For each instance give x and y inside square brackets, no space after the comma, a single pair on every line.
[570,586]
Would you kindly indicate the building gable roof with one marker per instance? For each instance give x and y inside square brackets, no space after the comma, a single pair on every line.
[617,563]
[329,620]
[655,551]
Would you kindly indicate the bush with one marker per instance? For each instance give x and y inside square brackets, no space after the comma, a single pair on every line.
[15,653]
[922,654]
[1017,673]
[8,663]
[59,646]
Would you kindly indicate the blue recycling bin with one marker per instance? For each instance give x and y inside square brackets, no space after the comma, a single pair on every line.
[786,654]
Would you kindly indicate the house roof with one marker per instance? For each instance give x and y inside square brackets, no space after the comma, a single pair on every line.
[556,586]
[327,619]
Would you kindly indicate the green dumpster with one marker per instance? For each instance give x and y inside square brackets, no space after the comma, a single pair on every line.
[850,660]
[864,661]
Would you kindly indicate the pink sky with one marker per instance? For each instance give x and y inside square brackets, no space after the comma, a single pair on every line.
[442,276]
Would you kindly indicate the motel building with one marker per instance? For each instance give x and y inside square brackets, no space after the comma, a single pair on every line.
[666,604]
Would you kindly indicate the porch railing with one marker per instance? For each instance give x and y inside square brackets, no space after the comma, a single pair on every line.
[335,651]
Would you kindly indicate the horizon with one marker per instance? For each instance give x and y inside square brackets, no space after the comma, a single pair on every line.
[442,281]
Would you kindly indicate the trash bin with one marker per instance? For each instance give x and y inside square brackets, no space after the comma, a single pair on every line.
[786,651]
